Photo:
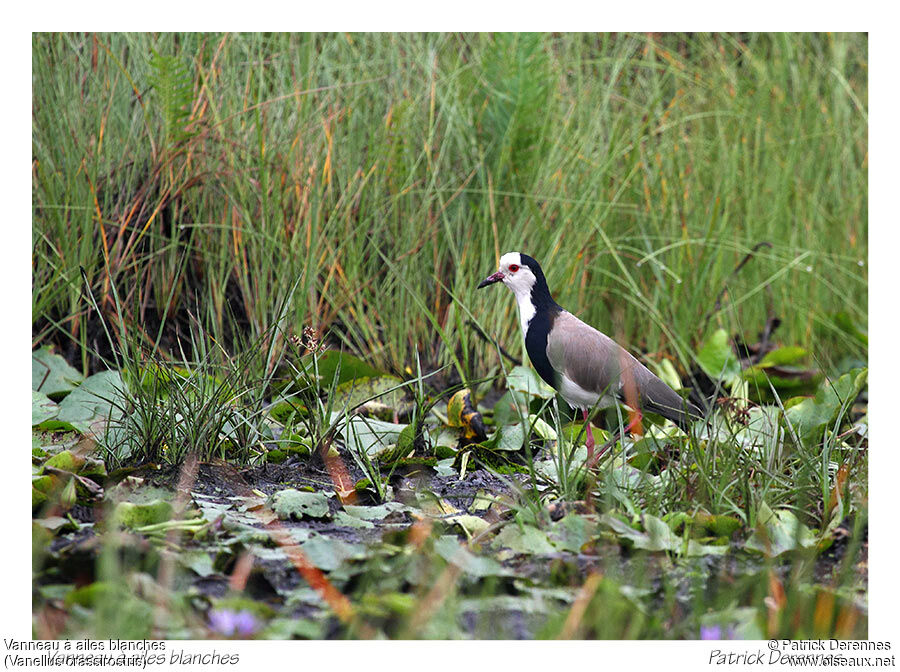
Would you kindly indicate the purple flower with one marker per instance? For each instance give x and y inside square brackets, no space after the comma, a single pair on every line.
[229,623]
[715,632]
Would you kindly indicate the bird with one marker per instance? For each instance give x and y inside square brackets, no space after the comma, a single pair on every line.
[586,367]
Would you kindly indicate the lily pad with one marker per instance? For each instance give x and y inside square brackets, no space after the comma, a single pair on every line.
[53,375]
[296,504]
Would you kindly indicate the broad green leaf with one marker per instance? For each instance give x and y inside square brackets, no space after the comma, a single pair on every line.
[512,437]
[791,354]
[342,519]
[656,535]
[96,398]
[351,367]
[523,539]
[717,359]
[810,417]
[511,408]
[667,373]
[449,548]
[572,532]
[65,460]
[128,514]
[542,428]
[199,561]
[524,379]
[296,504]
[372,436]
[696,549]
[778,532]
[327,554]
[351,394]
[470,525]
[375,512]
[763,429]
[42,408]
[51,374]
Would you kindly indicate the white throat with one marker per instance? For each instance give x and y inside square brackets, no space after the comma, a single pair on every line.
[526,308]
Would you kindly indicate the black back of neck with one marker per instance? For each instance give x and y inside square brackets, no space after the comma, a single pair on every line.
[540,293]
[545,312]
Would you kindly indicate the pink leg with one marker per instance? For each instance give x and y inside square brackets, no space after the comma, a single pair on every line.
[589,439]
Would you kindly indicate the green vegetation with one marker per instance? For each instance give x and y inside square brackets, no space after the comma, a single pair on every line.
[264,382]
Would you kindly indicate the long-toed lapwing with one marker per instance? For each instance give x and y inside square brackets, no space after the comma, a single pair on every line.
[586,367]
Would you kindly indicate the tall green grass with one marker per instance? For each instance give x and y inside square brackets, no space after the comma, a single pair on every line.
[205,175]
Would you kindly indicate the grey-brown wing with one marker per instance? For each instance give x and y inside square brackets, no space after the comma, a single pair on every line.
[597,363]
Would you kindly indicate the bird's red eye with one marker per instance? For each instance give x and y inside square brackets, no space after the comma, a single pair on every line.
[513,268]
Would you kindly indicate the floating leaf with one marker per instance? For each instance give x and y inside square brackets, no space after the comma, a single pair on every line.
[296,504]
[51,374]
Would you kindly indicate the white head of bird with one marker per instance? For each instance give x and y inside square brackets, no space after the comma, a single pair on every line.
[520,273]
